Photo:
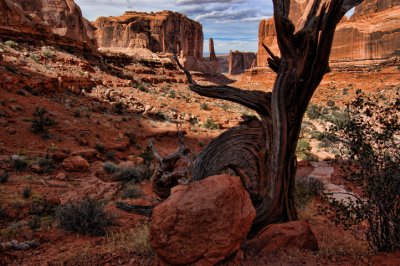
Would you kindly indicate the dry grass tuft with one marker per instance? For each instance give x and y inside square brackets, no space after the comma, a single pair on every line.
[333,240]
[136,240]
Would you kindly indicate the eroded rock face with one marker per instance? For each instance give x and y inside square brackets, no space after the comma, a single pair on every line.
[63,16]
[240,61]
[14,18]
[202,223]
[164,32]
[373,32]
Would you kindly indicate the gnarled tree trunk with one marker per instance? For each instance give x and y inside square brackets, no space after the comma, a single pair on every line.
[262,152]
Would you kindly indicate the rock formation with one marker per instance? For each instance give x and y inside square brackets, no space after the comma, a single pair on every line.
[373,32]
[63,16]
[202,223]
[14,19]
[240,61]
[212,50]
[45,20]
[162,32]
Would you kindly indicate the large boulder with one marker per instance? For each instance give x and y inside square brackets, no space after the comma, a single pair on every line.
[75,164]
[295,234]
[202,223]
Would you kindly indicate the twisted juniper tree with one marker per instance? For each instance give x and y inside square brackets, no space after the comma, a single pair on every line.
[262,151]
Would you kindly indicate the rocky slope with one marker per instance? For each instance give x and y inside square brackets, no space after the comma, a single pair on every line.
[373,32]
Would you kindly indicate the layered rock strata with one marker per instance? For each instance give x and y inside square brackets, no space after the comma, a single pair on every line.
[56,22]
[239,62]
[372,32]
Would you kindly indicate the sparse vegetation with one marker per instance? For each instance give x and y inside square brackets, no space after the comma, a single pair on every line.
[11,44]
[19,163]
[4,175]
[306,190]
[34,223]
[85,217]
[131,191]
[41,121]
[27,192]
[204,106]
[370,142]
[110,168]
[313,111]
[303,150]
[132,240]
[210,124]
[119,108]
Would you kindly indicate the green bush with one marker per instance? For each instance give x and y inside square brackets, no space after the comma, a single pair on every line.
[371,145]
[34,223]
[85,217]
[47,164]
[303,149]
[41,121]
[306,190]
[313,111]
[11,44]
[210,124]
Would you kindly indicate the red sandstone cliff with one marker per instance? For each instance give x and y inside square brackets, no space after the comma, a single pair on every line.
[162,32]
[46,19]
[240,61]
[373,32]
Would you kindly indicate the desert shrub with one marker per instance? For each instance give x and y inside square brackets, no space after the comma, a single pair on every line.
[330,103]
[370,142]
[11,44]
[306,190]
[345,91]
[204,106]
[119,108]
[47,164]
[147,156]
[41,121]
[210,124]
[100,148]
[172,94]
[86,217]
[131,191]
[313,111]
[27,192]
[4,175]
[19,163]
[34,223]
[35,58]
[303,149]
[110,168]
[129,174]
[46,52]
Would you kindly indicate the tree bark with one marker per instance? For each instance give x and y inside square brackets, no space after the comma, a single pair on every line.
[262,151]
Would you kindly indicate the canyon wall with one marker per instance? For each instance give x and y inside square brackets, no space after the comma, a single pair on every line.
[239,62]
[373,32]
[162,32]
[46,18]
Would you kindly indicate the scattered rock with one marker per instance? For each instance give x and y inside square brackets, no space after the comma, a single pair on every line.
[11,131]
[277,236]
[88,154]
[203,222]
[75,164]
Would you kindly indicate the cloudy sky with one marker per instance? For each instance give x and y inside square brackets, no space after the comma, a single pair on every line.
[232,23]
